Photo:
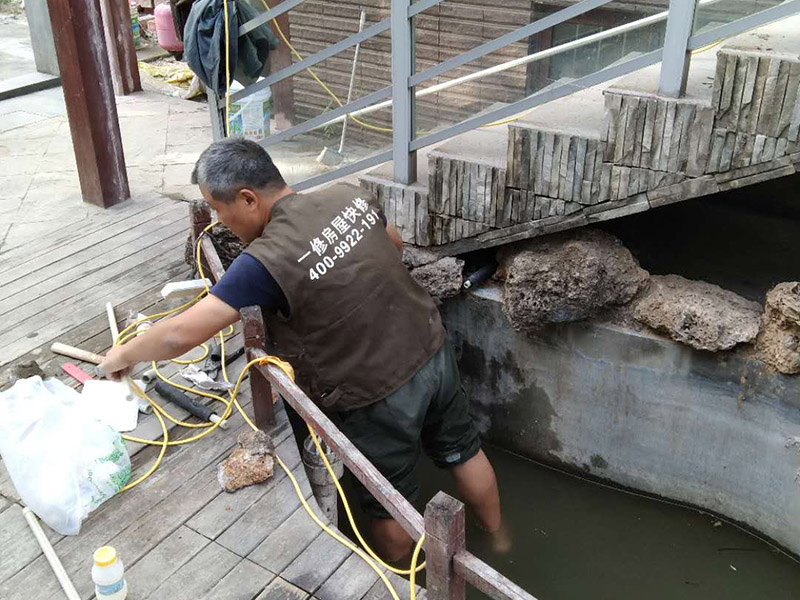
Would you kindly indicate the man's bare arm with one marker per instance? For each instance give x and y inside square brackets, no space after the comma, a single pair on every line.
[172,337]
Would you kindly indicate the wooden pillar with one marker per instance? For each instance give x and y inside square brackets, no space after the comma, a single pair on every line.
[444,537]
[200,218]
[89,96]
[281,57]
[254,339]
[121,49]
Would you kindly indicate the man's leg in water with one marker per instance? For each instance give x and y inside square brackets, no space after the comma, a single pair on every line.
[477,486]
[392,543]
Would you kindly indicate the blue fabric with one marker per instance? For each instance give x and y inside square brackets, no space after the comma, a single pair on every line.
[248,283]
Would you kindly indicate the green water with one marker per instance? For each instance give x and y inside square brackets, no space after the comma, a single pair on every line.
[575,540]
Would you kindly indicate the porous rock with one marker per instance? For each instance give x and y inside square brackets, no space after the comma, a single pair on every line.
[414,256]
[699,314]
[442,279]
[24,370]
[778,343]
[567,277]
[250,463]
[227,245]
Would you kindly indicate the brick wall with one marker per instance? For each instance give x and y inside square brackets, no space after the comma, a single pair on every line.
[442,32]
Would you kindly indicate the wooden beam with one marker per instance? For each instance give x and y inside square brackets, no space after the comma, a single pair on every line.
[89,96]
[485,578]
[444,537]
[254,341]
[117,23]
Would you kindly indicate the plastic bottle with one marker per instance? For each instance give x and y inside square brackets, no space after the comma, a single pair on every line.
[137,34]
[108,575]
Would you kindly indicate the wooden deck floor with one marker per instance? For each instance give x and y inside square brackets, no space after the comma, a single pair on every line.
[179,535]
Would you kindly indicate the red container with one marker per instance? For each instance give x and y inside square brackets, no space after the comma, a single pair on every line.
[165,29]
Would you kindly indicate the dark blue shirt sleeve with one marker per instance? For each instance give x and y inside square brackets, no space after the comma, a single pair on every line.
[248,283]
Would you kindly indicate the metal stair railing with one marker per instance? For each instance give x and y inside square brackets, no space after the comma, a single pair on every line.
[401,95]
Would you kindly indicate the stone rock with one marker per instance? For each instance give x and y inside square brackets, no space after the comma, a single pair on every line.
[442,279]
[414,256]
[778,343]
[567,277]
[250,463]
[698,313]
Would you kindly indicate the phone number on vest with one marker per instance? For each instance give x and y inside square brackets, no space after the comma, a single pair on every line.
[340,237]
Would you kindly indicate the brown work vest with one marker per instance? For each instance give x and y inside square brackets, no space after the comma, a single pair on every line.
[359,325]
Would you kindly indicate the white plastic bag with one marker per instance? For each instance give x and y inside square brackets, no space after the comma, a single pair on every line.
[63,464]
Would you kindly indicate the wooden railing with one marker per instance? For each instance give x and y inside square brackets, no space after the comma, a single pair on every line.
[449,565]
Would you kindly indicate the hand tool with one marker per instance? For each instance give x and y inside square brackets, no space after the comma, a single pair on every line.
[188,404]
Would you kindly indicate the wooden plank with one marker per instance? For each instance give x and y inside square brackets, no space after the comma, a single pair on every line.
[284,544]
[445,191]
[281,589]
[555,166]
[511,173]
[244,582]
[177,549]
[533,157]
[83,264]
[444,538]
[452,202]
[588,173]
[264,516]
[487,579]
[353,579]
[770,98]
[199,575]
[18,546]
[47,305]
[748,93]
[773,117]
[729,81]
[495,174]
[88,92]
[758,94]
[727,151]
[638,138]
[24,261]
[658,134]
[568,182]
[480,202]
[666,140]
[613,108]
[316,563]
[378,590]
[539,176]
[114,516]
[790,101]
[61,318]
[716,150]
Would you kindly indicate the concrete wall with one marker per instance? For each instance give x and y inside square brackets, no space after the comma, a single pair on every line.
[44,49]
[713,430]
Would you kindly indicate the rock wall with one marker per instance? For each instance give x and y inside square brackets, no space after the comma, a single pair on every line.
[714,430]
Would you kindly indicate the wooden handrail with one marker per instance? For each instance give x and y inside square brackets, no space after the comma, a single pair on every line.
[444,543]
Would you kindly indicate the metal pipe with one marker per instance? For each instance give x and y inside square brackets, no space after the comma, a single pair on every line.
[50,555]
[361,22]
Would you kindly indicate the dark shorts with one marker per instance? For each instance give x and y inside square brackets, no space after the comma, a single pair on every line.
[428,412]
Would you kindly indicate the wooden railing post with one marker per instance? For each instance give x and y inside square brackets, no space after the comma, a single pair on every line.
[200,218]
[444,537]
[254,338]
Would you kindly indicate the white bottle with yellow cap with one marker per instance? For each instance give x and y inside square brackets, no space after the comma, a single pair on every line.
[108,575]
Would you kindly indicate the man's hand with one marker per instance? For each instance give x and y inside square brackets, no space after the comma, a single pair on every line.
[172,337]
[116,365]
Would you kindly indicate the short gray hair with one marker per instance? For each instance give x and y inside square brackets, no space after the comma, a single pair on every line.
[231,164]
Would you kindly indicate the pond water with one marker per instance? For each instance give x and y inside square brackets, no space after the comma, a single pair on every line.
[574,539]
